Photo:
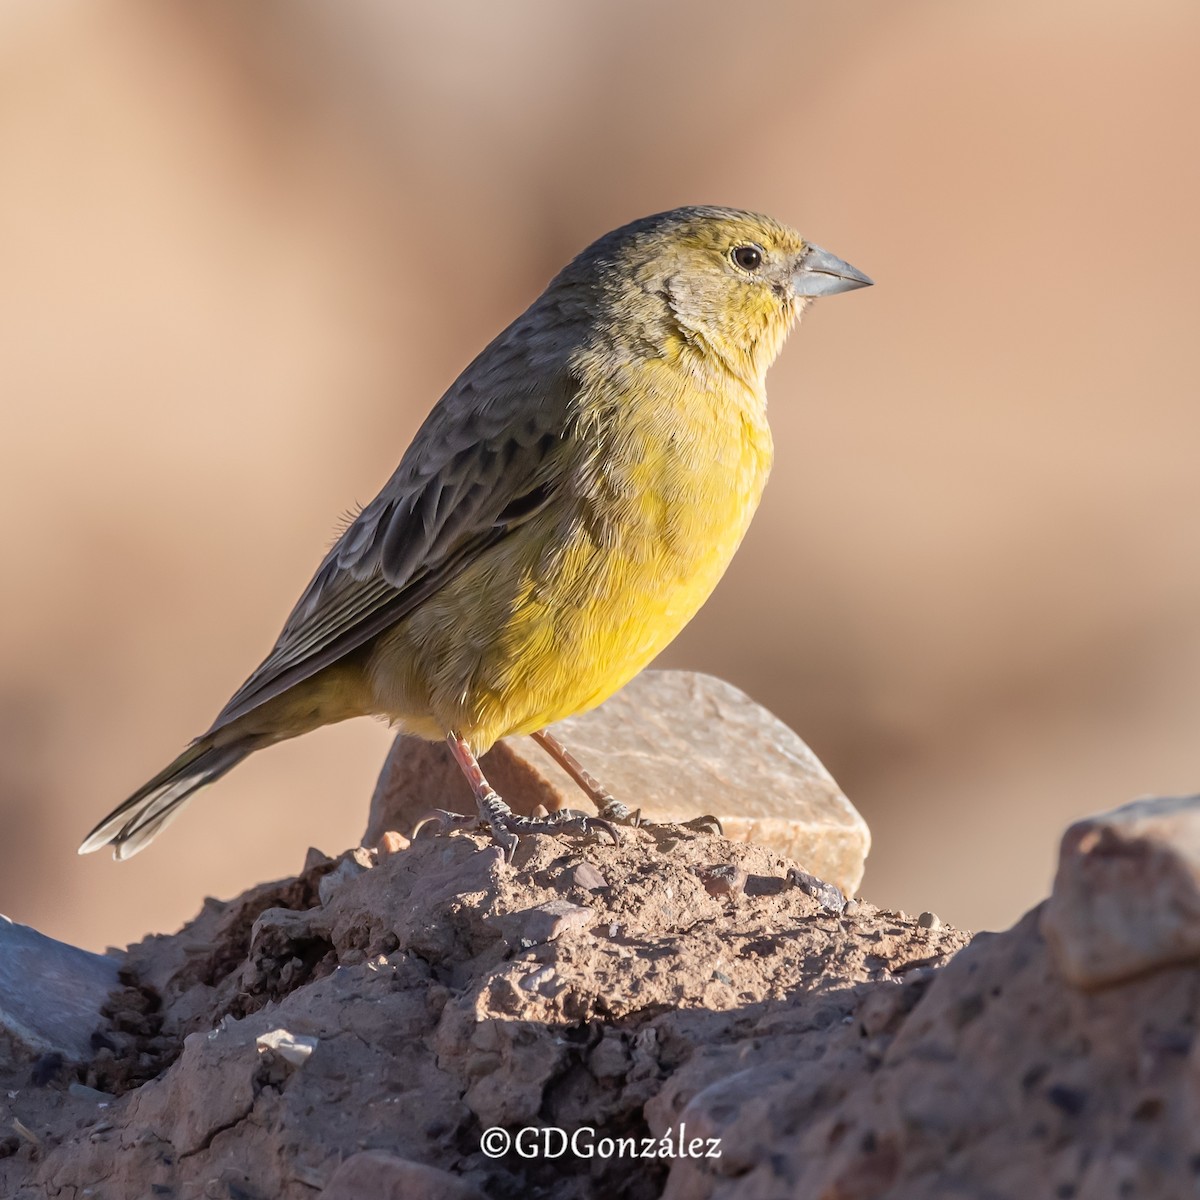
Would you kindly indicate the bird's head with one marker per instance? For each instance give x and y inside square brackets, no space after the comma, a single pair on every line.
[714,282]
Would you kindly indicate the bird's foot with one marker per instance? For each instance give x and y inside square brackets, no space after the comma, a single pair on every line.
[445,821]
[613,810]
[619,814]
[506,826]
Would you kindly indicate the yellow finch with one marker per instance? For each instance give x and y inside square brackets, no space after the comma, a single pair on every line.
[563,512]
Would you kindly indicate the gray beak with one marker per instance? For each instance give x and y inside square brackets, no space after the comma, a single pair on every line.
[819,273]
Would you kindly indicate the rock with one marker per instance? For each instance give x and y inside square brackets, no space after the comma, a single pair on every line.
[825,894]
[676,745]
[290,1047]
[585,876]
[353,865]
[376,1175]
[793,1052]
[211,1087]
[990,1061]
[445,992]
[391,842]
[51,993]
[1126,895]
[724,879]
[544,922]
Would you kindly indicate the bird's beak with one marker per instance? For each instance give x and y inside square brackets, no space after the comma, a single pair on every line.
[819,273]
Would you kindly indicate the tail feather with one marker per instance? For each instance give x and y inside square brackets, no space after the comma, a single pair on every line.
[132,826]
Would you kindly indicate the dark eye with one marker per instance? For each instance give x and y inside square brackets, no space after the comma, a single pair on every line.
[749,258]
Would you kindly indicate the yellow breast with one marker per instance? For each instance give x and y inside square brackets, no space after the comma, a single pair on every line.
[572,605]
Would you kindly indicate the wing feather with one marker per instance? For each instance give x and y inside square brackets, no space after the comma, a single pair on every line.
[480,466]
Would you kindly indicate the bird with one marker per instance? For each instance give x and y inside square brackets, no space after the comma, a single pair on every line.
[564,510]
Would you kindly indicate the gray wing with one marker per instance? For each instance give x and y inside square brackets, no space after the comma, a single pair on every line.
[486,459]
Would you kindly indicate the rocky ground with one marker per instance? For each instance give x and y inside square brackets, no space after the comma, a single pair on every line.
[433,992]
[679,1015]
[352,1032]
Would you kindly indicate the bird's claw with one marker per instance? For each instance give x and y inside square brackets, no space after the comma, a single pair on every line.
[622,814]
[445,821]
[506,827]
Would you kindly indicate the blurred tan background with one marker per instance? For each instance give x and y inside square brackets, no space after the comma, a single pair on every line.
[243,248]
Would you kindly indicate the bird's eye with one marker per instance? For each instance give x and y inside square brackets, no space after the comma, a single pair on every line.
[749,258]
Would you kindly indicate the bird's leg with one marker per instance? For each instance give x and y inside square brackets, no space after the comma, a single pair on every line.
[505,825]
[609,807]
[492,809]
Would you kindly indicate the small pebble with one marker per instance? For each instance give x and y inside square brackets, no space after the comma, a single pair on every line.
[851,909]
[723,879]
[928,920]
[292,1048]
[541,980]
[544,922]
[825,894]
[610,1059]
[588,877]
[392,843]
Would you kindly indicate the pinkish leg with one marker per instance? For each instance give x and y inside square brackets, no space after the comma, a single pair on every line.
[606,803]
[504,824]
[609,807]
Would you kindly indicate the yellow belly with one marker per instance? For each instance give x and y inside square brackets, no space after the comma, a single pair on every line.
[568,608]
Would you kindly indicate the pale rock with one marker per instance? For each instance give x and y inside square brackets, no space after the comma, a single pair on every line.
[292,1048]
[675,745]
[51,993]
[544,922]
[1126,897]
[392,842]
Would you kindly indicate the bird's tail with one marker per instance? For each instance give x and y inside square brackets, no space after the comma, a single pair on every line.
[133,825]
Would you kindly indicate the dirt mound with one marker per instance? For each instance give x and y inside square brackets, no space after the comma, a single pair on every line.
[434,992]
[671,1016]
